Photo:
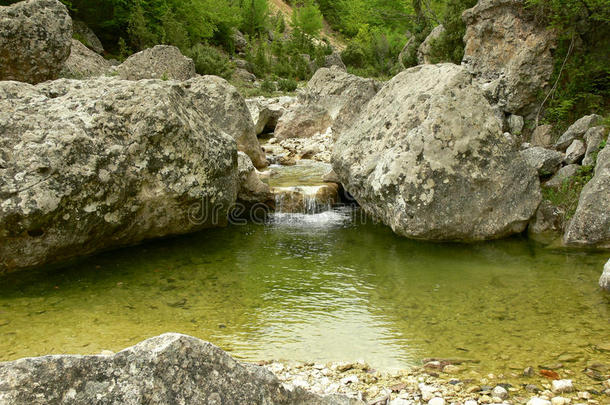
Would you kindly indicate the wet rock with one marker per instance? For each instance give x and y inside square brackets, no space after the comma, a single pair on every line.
[334,59]
[593,138]
[88,37]
[471,402]
[509,52]
[160,62]
[167,369]
[499,392]
[545,161]
[576,151]
[559,401]
[427,391]
[562,386]
[427,158]
[35,40]
[542,136]
[84,175]
[251,189]
[590,225]
[331,177]
[563,174]
[425,48]
[532,388]
[604,282]
[305,199]
[528,372]
[84,63]
[217,98]
[332,98]
[577,130]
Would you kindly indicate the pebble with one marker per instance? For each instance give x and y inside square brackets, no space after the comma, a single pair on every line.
[538,401]
[532,388]
[499,392]
[400,401]
[427,391]
[350,379]
[528,372]
[471,402]
[437,401]
[451,369]
[562,386]
[559,401]
[584,395]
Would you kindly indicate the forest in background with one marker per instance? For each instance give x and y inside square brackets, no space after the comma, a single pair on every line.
[373,33]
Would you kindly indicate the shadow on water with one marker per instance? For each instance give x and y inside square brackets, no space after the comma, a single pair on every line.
[321,287]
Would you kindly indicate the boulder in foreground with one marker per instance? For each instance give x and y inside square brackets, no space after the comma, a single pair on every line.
[91,165]
[604,281]
[168,369]
[427,157]
[35,40]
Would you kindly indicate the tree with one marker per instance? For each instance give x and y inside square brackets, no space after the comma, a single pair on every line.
[254,16]
[306,21]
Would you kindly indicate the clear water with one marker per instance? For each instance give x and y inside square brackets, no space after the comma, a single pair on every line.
[304,173]
[320,287]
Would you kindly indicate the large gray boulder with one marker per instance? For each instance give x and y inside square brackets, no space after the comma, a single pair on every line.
[427,157]
[604,281]
[84,63]
[221,101]
[167,369]
[85,34]
[424,51]
[266,112]
[90,165]
[35,40]
[577,130]
[160,62]
[590,225]
[332,98]
[509,52]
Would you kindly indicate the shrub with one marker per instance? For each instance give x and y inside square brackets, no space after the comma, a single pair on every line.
[287,85]
[268,86]
[210,61]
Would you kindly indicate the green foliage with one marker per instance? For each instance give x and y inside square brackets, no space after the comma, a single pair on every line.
[582,59]
[254,16]
[210,61]
[268,86]
[373,52]
[287,85]
[306,21]
[450,46]
[568,194]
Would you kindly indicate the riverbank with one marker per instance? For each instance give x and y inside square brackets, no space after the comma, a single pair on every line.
[449,381]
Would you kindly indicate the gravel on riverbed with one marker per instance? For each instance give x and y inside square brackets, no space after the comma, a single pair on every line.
[439,382]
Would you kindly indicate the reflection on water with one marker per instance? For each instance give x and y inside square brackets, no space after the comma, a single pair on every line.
[319,287]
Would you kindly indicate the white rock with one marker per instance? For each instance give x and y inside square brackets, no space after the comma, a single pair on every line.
[436,401]
[471,402]
[499,392]
[427,391]
[350,379]
[538,401]
[559,401]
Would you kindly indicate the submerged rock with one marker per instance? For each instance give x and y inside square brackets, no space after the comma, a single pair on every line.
[35,40]
[333,98]
[91,165]
[509,51]
[168,369]
[84,63]
[427,157]
[590,225]
[160,62]
[604,281]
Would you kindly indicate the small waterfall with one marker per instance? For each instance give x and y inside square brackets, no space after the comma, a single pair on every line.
[305,199]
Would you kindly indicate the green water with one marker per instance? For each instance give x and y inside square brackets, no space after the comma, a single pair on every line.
[320,288]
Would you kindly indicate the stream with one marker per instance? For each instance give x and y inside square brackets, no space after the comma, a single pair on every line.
[331,285]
